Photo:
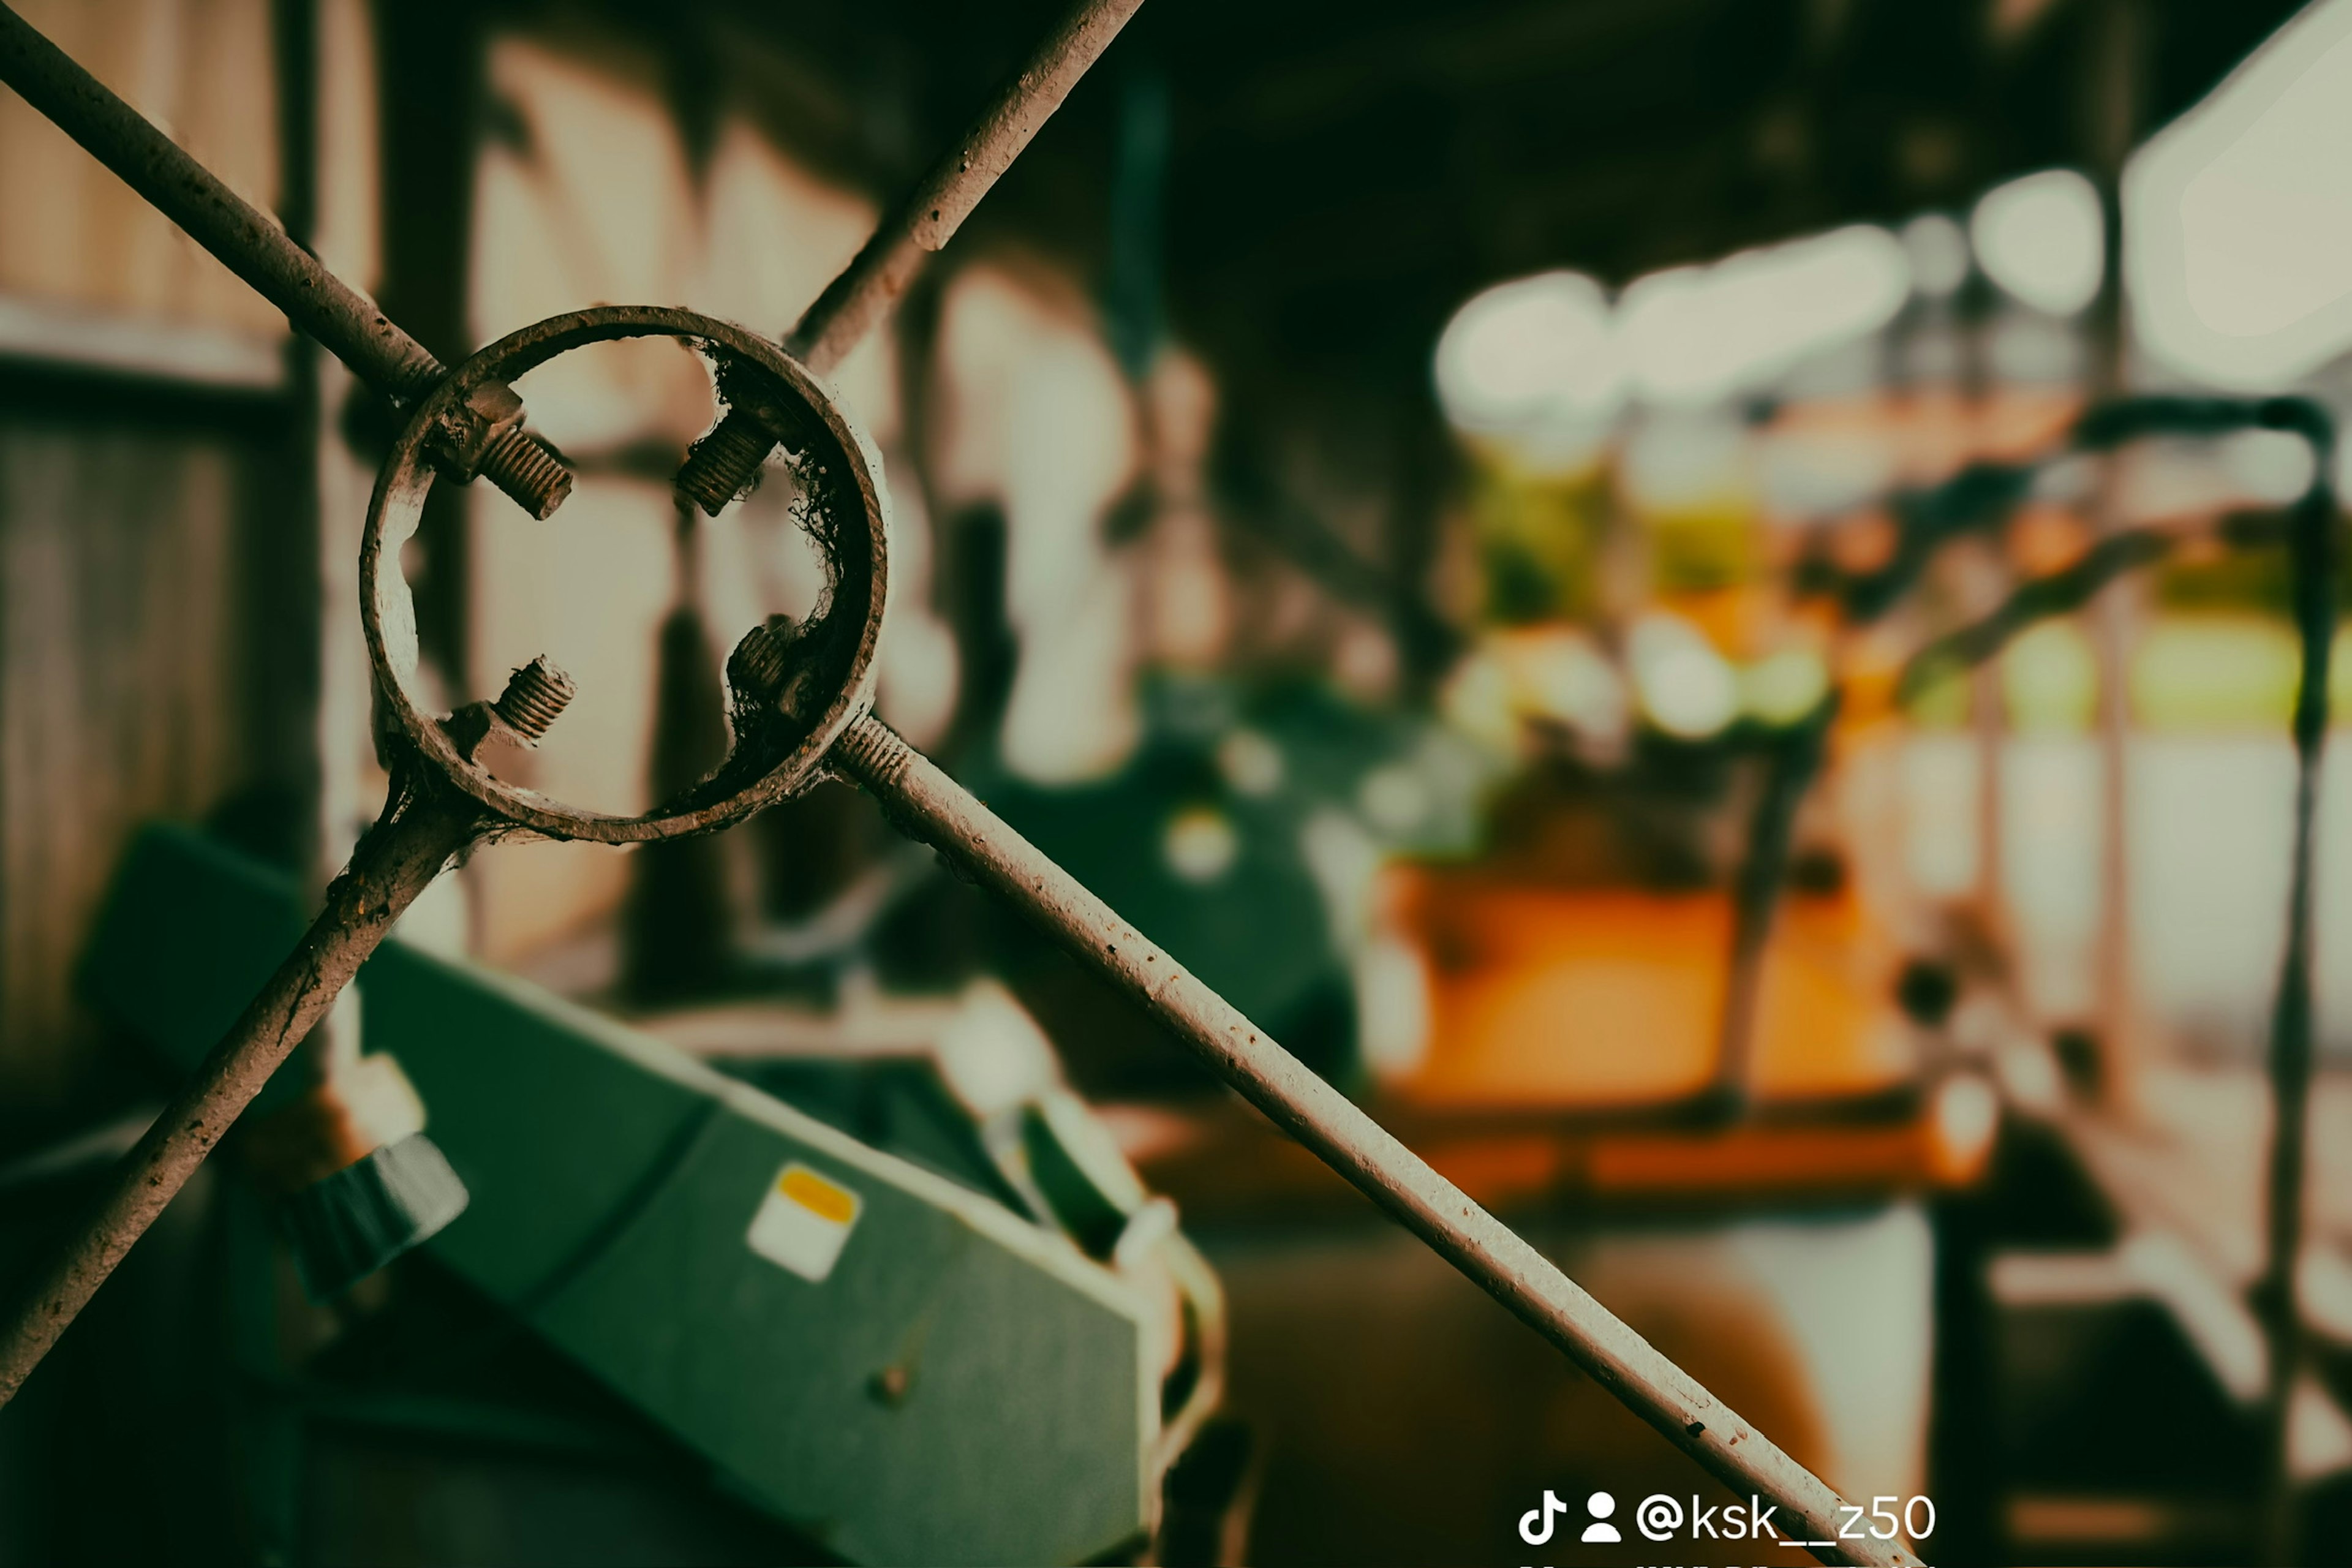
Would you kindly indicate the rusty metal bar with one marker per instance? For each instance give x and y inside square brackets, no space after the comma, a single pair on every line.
[254,247]
[729,459]
[391,866]
[423,823]
[245,240]
[854,302]
[927,804]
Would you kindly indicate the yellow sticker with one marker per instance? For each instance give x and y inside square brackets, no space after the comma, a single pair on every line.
[804,1221]
[826,1200]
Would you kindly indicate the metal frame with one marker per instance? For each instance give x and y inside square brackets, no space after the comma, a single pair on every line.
[473,420]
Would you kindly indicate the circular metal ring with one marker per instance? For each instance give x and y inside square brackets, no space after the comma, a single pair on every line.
[845,509]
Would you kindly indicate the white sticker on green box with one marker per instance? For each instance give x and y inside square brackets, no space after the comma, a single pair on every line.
[804,1221]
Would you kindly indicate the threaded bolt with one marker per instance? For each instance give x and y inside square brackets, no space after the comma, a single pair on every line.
[518,464]
[725,461]
[534,696]
[761,662]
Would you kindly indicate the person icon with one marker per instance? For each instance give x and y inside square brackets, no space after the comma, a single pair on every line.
[1600,1505]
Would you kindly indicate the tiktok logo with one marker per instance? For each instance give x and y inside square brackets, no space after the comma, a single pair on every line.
[1534,1525]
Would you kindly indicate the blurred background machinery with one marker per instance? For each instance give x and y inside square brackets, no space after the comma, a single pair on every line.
[1436,513]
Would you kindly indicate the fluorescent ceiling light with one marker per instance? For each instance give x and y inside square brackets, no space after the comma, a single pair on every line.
[1532,353]
[2240,215]
[1697,335]
[2042,239]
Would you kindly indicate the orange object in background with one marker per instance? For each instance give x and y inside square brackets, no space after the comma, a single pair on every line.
[1593,999]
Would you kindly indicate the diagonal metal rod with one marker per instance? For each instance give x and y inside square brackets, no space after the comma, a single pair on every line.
[927,803]
[391,865]
[424,824]
[854,302]
[2313,549]
[723,462]
[245,240]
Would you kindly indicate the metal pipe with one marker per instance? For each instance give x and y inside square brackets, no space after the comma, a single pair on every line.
[929,804]
[2114,100]
[729,459]
[1792,761]
[258,252]
[2311,545]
